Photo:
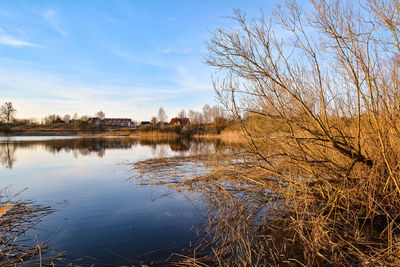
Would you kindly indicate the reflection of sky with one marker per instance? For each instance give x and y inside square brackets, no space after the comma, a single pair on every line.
[100,210]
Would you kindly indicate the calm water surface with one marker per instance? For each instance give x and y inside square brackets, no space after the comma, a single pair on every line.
[100,216]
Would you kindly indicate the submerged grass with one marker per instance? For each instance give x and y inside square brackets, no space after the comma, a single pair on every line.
[237,208]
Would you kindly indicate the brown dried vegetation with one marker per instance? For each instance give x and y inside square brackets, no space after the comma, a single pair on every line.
[16,247]
[319,184]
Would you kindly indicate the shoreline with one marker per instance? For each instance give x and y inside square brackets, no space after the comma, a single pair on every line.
[228,136]
[73,129]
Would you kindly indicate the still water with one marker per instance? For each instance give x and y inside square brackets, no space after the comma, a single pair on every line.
[101,216]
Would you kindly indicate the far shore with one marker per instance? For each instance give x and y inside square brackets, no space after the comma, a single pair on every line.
[71,130]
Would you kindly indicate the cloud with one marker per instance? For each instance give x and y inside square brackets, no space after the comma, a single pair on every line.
[110,19]
[53,19]
[189,79]
[37,94]
[178,51]
[151,60]
[7,39]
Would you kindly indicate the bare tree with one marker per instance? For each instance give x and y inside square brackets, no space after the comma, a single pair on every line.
[207,113]
[162,116]
[324,122]
[217,111]
[84,118]
[54,118]
[67,117]
[153,122]
[7,112]
[101,115]
[195,117]
[182,114]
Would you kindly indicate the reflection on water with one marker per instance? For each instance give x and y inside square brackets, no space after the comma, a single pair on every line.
[7,154]
[96,146]
[100,217]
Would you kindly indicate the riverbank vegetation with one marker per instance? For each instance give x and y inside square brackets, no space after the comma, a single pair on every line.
[212,121]
[81,128]
[200,129]
[318,183]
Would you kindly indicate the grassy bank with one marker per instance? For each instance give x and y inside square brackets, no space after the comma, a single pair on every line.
[73,129]
[63,129]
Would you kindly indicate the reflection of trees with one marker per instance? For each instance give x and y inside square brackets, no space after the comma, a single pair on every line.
[182,145]
[162,151]
[98,146]
[78,146]
[7,154]
[88,146]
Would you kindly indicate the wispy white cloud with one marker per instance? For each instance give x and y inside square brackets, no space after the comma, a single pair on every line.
[37,94]
[152,60]
[52,17]
[189,80]
[110,19]
[178,51]
[7,39]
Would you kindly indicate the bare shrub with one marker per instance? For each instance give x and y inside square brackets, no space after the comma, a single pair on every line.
[322,96]
[317,98]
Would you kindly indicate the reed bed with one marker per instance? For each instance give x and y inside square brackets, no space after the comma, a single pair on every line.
[156,135]
[255,218]
[17,248]
[224,136]
[319,110]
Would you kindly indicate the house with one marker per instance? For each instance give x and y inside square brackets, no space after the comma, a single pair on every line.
[117,122]
[179,121]
[96,121]
[144,123]
[122,122]
[162,124]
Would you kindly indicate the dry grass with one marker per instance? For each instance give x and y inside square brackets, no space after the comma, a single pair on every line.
[341,214]
[322,132]
[156,135]
[224,136]
[122,132]
[5,209]
[16,249]
[326,212]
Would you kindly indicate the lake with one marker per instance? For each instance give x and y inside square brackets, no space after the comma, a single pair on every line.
[101,214]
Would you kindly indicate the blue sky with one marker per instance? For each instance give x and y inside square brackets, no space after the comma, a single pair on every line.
[127,58]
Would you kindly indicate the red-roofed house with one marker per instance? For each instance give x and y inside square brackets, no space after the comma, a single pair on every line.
[180,121]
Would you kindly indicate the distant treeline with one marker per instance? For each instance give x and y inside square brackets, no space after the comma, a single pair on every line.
[199,128]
